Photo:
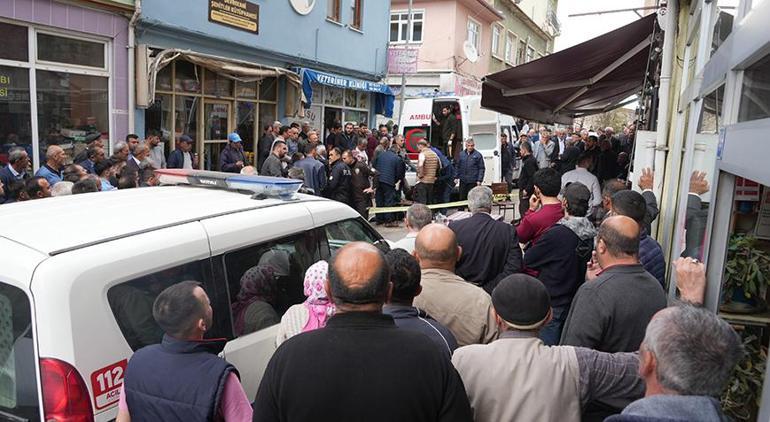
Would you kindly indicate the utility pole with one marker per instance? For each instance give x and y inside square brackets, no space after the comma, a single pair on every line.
[403,74]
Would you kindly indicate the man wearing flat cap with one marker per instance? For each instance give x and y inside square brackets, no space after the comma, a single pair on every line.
[517,377]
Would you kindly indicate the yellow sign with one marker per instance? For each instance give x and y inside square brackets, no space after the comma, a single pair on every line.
[239,14]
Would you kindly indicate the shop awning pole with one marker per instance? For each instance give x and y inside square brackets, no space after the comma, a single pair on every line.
[403,74]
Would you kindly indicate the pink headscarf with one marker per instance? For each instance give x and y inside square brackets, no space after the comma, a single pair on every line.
[318,304]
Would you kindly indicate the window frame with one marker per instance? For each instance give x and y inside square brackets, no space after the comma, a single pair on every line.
[498,41]
[86,69]
[334,11]
[402,38]
[357,15]
[473,23]
[325,247]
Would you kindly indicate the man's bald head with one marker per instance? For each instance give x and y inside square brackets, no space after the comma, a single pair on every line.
[358,275]
[620,235]
[436,244]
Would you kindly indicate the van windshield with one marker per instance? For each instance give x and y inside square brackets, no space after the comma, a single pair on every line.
[18,381]
[485,141]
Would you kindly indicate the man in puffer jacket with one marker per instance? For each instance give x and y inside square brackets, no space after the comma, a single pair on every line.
[559,257]
[632,204]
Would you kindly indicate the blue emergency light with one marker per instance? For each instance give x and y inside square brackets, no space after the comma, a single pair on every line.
[278,187]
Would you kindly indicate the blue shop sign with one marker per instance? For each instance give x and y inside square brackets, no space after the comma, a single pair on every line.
[383,96]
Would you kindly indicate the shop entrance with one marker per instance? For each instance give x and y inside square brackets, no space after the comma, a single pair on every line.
[331,115]
[216,121]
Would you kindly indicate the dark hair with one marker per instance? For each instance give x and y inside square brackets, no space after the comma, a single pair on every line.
[14,189]
[337,150]
[176,309]
[586,159]
[32,186]
[613,186]
[102,166]
[577,196]
[373,291]
[153,132]
[91,152]
[71,173]
[128,179]
[631,204]
[548,181]
[382,125]
[526,145]
[296,157]
[309,148]
[278,142]
[284,129]
[404,274]
[294,125]
[618,244]
[85,186]
[131,136]
[266,127]
[337,125]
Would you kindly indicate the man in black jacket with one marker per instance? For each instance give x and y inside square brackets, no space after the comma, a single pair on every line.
[338,186]
[526,176]
[363,366]
[490,248]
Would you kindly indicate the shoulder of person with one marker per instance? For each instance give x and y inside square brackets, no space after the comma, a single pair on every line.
[464,355]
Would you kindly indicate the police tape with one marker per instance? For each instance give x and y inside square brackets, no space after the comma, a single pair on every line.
[381,210]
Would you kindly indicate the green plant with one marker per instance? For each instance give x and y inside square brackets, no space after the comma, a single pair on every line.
[746,267]
[741,398]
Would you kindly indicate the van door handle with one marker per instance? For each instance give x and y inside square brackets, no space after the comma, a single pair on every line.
[496,153]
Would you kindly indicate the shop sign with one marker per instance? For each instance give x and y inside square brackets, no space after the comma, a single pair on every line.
[746,190]
[402,60]
[466,86]
[238,14]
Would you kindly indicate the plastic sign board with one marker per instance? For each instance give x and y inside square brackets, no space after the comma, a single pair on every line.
[239,14]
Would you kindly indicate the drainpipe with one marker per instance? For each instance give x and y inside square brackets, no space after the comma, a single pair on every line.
[132,66]
[664,98]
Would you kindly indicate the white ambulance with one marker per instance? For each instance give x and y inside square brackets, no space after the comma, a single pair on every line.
[483,125]
[79,274]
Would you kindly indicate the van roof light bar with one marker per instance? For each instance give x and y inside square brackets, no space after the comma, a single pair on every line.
[274,187]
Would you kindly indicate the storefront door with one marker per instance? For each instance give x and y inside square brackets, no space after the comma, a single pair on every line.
[216,126]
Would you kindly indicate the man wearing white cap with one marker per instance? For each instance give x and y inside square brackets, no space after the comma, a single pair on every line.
[231,158]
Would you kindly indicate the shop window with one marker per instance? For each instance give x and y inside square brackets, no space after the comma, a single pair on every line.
[363,99]
[755,96]
[187,77]
[245,125]
[266,279]
[71,108]
[53,48]
[333,95]
[318,93]
[356,116]
[163,79]
[16,42]
[186,116]
[268,89]
[351,99]
[216,121]
[131,303]
[356,13]
[15,127]
[266,115]
[158,117]
[711,113]
[333,11]
[217,85]
[474,33]
[246,90]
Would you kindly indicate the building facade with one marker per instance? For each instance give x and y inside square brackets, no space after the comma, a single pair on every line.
[218,66]
[64,74]
[527,32]
[501,34]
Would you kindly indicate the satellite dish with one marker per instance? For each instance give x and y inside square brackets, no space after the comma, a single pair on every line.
[470,52]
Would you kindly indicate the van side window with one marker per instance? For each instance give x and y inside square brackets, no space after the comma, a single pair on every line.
[131,302]
[18,381]
[266,279]
[343,232]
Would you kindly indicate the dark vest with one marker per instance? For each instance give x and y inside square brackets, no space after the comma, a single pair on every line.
[485,244]
[176,380]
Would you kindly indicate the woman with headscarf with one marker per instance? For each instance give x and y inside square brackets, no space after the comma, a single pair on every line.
[313,313]
[253,310]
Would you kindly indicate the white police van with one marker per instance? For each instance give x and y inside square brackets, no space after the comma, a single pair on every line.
[79,274]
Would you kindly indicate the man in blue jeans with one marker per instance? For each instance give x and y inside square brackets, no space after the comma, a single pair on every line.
[392,170]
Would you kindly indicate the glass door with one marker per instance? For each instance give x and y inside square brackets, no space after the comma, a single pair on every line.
[216,126]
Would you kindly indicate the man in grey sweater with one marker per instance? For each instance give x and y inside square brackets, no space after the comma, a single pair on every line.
[273,165]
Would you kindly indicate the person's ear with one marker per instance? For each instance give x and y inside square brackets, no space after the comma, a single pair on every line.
[648,364]
[601,247]
[459,252]
[201,325]
[415,255]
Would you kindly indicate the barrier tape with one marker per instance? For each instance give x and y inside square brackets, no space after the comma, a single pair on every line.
[381,210]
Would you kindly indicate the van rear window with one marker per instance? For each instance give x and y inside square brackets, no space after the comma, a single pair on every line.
[18,381]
